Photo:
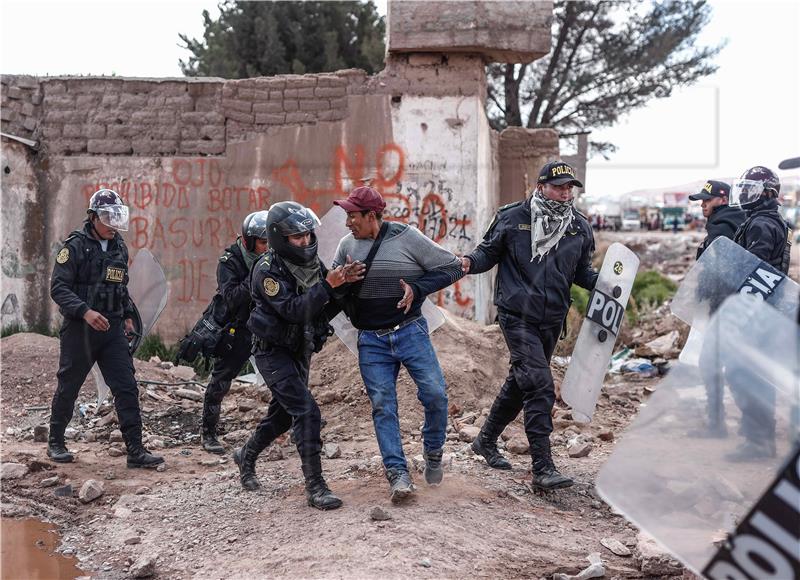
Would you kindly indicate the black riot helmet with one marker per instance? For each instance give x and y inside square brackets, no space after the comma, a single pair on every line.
[748,191]
[110,209]
[288,218]
[254,227]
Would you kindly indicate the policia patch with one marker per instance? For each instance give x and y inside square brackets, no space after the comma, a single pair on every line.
[63,256]
[271,286]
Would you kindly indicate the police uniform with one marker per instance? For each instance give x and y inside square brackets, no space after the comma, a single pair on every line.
[765,235]
[233,294]
[723,221]
[86,277]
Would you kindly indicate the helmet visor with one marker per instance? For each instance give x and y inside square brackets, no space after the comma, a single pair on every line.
[745,192]
[114,216]
[299,221]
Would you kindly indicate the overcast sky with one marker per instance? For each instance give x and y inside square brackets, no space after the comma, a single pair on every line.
[746,114]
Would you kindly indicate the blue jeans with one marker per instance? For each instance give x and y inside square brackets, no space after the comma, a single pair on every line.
[379,358]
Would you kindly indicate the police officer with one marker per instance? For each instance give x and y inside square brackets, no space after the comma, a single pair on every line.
[767,236]
[721,218]
[89,285]
[293,300]
[233,298]
[542,245]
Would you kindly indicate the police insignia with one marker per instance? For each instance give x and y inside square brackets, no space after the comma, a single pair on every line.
[115,274]
[271,286]
[618,267]
[63,256]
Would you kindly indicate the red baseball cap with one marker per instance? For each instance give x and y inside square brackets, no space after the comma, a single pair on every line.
[362,198]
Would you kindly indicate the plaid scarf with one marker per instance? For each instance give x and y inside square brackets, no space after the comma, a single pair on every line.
[549,221]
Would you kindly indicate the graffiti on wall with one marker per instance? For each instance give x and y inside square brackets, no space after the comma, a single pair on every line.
[193,210]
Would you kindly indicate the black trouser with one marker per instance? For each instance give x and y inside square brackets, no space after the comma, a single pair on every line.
[711,365]
[81,347]
[756,399]
[529,384]
[292,404]
[226,368]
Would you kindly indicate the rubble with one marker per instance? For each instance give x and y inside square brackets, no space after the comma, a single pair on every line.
[652,559]
[90,491]
[143,567]
[13,470]
[379,514]
[616,547]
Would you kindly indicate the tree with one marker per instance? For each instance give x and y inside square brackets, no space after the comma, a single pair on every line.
[607,59]
[268,38]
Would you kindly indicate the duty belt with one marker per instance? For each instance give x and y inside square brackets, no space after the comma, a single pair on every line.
[406,322]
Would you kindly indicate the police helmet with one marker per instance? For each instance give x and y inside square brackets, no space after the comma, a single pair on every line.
[254,227]
[748,190]
[109,208]
[288,218]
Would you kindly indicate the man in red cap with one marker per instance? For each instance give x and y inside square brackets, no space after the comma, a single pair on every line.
[403,266]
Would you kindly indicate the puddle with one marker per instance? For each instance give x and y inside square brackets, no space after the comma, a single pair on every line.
[28,551]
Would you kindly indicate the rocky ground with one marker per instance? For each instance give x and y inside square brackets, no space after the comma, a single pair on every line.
[193,520]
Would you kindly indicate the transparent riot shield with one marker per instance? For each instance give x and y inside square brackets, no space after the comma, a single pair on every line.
[691,491]
[726,268]
[331,230]
[604,315]
[148,289]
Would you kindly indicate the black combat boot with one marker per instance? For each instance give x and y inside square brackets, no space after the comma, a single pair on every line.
[545,474]
[245,458]
[138,456]
[401,487]
[485,444]
[57,450]
[208,432]
[318,493]
[433,466]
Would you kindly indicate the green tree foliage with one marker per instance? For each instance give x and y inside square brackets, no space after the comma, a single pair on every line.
[607,59]
[268,38]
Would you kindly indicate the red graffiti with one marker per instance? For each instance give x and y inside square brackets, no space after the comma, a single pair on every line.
[195,282]
[181,232]
[197,172]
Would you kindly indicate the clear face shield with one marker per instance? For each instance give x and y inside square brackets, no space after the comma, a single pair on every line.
[745,192]
[114,216]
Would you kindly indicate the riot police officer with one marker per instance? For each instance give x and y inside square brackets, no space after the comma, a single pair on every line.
[232,309]
[721,218]
[293,301]
[767,236]
[89,285]
[541,245]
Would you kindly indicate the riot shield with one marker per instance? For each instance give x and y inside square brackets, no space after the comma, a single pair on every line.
[726,268]
[584,378]
[331,230]
[689,491]
[148,289]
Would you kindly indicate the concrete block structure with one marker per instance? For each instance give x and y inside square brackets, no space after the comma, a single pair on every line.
[193,156]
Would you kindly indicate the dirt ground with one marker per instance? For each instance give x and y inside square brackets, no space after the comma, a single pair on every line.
[193,520]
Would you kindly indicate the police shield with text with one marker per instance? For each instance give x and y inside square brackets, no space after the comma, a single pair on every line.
[293,301]
[89,285]
[231,309]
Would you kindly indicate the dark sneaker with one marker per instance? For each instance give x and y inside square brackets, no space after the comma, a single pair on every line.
[401,487]
[433,467]
[143,458]
[488,450]
[58,452]
[212,445]
[548,478]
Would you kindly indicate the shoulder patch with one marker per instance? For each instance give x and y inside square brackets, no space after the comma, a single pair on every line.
[224,257]
[510,205]
[63,256]
[271,287]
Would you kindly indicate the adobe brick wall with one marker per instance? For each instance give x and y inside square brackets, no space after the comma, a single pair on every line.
[522,154]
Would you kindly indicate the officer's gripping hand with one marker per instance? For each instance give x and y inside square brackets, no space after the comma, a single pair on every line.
[465,264]
[354,271]
[336,277]
[408,297]
[96,320]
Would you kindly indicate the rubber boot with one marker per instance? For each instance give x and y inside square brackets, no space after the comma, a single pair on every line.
[485,444]
[138,456]
[245,458]
[57,449]
[318,494]
[400,484]
[545,474]
[433,466]
[208,432]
